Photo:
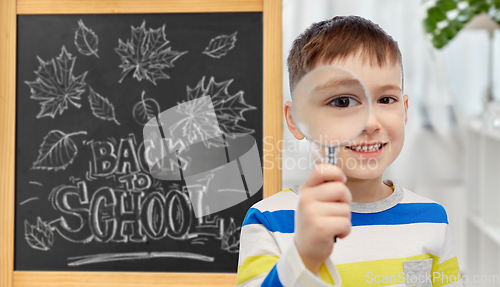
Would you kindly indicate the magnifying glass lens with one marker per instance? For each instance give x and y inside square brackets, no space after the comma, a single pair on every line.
[330,106]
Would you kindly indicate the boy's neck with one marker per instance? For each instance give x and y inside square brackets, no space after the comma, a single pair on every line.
[368,190]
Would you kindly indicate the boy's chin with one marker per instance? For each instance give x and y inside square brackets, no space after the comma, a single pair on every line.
[363,172]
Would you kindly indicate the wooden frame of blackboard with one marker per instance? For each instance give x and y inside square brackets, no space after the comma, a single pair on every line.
[272,75]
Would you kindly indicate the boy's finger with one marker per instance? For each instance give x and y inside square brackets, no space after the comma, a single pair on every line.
[333,209]
[332,191]
[324,173]
[339,226]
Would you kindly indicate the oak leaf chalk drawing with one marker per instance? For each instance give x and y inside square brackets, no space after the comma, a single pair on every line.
[220,45]
[86,41]
[101,107]
[39,237]
[146,109]
[147,54]
[57,151]
[56,85]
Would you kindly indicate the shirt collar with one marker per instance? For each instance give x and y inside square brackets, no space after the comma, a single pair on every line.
[375,206]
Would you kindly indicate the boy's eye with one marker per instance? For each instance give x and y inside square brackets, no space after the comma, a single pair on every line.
[344,102]
[386,100]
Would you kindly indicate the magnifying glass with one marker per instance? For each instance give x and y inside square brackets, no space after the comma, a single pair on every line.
[330,107]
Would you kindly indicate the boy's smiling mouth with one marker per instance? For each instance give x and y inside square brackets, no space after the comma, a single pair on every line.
[371,149]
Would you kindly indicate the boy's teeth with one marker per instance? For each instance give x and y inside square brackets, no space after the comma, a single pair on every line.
[370,148]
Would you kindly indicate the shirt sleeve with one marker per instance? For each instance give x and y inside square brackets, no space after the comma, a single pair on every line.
[447,272]
[263,263]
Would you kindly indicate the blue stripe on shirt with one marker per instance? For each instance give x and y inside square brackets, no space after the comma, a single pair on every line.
[275,221]
[272,279]
[403,213]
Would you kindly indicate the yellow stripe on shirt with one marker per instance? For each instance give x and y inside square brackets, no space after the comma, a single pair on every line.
[446,272]
[381,272]
[254,266]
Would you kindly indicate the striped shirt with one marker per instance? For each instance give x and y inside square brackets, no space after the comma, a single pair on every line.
[403,238]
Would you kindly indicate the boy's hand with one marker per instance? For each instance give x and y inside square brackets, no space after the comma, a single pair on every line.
[323,212]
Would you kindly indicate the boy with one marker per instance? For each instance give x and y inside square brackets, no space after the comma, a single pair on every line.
[386,234]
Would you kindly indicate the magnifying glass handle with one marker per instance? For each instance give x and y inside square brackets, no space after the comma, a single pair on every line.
[331,155]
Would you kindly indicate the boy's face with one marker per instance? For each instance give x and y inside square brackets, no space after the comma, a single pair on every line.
[385,125]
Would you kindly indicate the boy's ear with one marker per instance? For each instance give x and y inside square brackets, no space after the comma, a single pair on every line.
[289,121]
[405,100]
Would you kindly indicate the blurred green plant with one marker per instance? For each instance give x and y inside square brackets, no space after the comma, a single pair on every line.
[445,18]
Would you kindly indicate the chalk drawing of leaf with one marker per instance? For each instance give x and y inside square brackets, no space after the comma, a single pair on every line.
[101,107]
[147,54]
[220,45]
[230,241]
[56,85]
[57,151]
[228,108]
[198,123]
[39,237]
[145,110]
[86,41]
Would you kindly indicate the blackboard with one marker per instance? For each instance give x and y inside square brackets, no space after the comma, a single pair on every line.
[103,110]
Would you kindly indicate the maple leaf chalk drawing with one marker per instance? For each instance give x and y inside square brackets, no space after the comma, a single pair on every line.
[147,54]
[57,151]
[39,237]
[144,110]
[197,122]
[220,45]
[86,41]
[101,107]
[209,113]
[56,86]
[228,108]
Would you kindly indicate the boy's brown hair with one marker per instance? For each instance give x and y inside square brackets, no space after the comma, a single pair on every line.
[340,37]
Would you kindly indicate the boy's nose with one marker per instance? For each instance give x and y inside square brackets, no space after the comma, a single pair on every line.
[373,124]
